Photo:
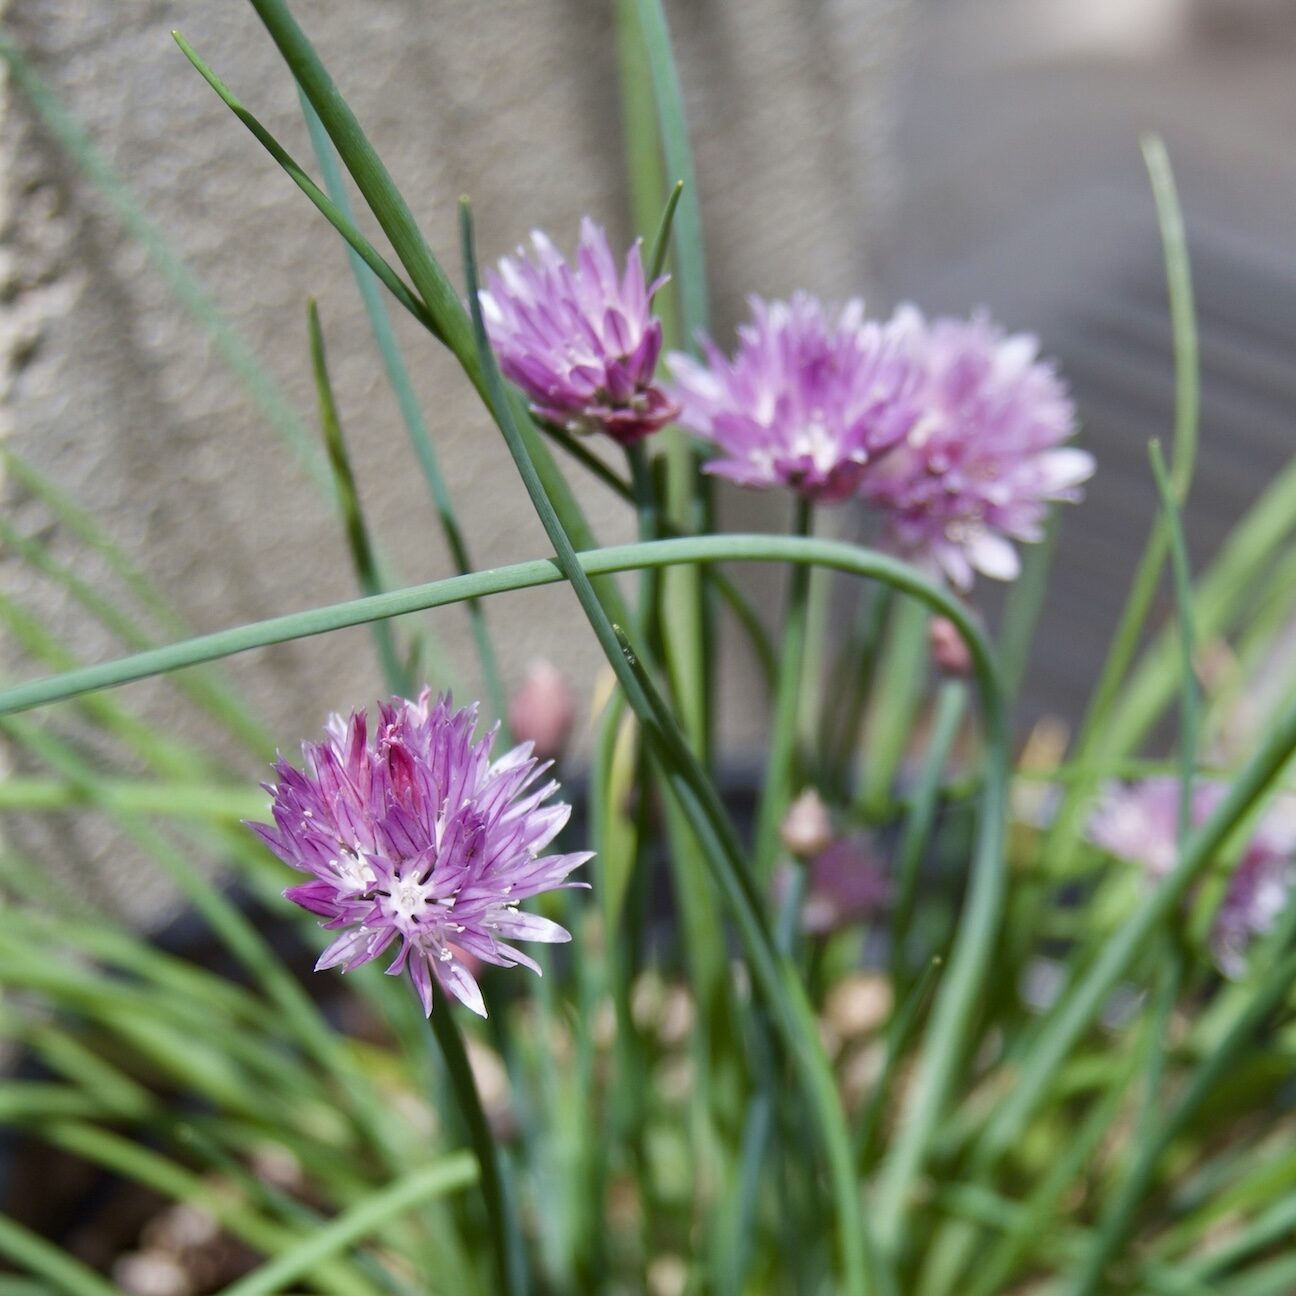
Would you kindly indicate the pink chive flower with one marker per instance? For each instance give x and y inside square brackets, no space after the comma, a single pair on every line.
[580,340]
[980,467]
[1140,823]
[847,884]
[414,837]
[810,399]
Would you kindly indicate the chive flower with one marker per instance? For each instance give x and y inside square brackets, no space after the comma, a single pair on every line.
[979,469]
[414,838]
[1139,824]
[812,396]
[580,340]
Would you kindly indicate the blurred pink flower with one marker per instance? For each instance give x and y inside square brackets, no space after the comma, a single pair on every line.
[810,399]
[847,883]
[979,468]
[1139,823]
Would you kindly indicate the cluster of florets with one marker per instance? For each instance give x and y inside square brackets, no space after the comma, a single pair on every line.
[580,340]
[953,431]
[1139,824]
[811,399]
[986,457]
[413,837]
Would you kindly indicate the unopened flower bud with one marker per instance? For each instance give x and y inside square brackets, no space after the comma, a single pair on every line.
[543,709]
[807,827]
[948,649]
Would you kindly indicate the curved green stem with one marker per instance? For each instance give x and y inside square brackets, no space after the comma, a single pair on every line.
[367,281]
[739,547]
[973,950]
[714,580]
[448,319]
[661,240]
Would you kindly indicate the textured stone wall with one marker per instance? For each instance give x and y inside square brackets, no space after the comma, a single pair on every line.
[113,389]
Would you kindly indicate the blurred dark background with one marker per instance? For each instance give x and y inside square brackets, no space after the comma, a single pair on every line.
[1022,189]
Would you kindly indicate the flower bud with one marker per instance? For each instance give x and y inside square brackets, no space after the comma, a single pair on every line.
[948,649]
[806,828]
[543,709]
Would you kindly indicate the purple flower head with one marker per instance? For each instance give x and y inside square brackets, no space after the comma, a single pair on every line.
[1140,824]
[580,340]
[811,398]
[980,467]
[415,836]
[848,883]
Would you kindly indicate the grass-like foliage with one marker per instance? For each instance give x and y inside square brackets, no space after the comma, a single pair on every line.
[935,1014]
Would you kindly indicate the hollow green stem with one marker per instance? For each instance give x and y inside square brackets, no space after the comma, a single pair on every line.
[1190,699]
[960,991]
[367,281]
[645,501]
[737,547]
[950,705]
[677,153]
[707,817]
[902,676]
[656,132]
[1083,999]
[335,212]
[501,1213]
[1102,730]
[348,500]
[776,789]
[661,240]
[448,319]
[734,1238]
[852,682]
[37,1255]
[1119,1218]
[844,557]
[328,1239]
